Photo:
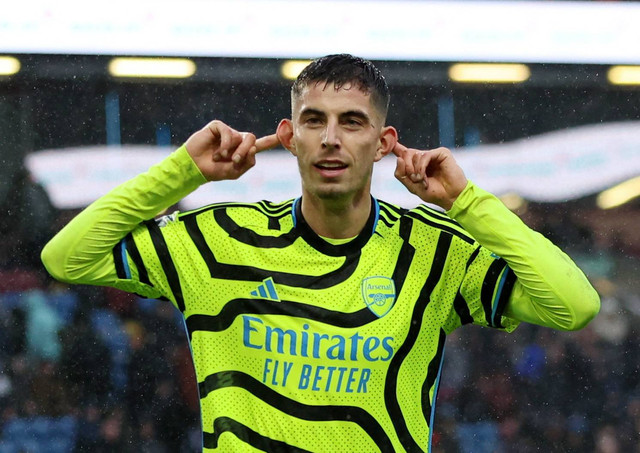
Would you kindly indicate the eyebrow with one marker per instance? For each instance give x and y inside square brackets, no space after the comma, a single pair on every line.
[348,113]
[309,111]
[356,113]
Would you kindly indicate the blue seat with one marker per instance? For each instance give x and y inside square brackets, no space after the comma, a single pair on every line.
[479,437]
[111,331]
[8,446]
[16,429]
[67,424]
[59,445]
[30,445]
[10,300]
[41,427]
[38,434]
[64,303]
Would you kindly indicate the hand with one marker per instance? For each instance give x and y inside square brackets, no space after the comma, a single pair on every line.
[432,175]
[221,152]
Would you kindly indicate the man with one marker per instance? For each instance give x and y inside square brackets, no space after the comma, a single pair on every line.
[318,324]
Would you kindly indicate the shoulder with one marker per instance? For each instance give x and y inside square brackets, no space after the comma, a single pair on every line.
[389,213]
[424,219]
[240,214]
[263,207]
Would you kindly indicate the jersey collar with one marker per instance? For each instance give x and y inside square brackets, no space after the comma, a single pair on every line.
[315,241]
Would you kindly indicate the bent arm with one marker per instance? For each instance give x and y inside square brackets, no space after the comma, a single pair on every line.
[550,289]
[82,251]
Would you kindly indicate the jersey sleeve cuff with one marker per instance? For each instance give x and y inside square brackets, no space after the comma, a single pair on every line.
[187,166]
[470,194]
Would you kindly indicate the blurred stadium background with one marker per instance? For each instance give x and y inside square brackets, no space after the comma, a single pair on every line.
[93,369]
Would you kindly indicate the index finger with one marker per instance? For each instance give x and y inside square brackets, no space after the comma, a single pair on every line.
[267,142]
[399,149]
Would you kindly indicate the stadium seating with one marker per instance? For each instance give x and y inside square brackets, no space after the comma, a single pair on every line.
[110,330]
[39,434]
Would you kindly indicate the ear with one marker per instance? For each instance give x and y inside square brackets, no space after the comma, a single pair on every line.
[285,135]
[388,140]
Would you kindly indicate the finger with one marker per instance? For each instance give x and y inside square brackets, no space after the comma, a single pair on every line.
[401,175]
[241,167]
[421,170]
[235,142]
[400,170]
[250,161]
[408,157]
[399,149]
[221,132]
[221,136]
[421,161]
[248,140]
[267,142]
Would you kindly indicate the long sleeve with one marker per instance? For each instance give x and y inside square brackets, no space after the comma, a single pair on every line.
[550,289]
[82,251]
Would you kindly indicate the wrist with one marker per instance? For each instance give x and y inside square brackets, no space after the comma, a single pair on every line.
[188,166]
[462,200]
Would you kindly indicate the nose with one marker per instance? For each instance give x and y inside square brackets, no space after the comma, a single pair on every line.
[331,136]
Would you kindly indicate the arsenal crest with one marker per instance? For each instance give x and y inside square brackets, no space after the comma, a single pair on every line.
[379,294]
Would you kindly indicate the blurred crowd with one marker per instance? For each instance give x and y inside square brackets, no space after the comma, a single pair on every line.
[89,369]
[117,366]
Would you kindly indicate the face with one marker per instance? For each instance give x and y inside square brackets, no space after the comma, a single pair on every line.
[337,135]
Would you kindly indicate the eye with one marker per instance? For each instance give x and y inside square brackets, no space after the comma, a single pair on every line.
[313,121]
[353,123]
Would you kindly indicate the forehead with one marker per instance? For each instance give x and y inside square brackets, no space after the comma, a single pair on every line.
[325,98]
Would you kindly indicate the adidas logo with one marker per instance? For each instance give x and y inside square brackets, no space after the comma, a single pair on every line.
[266,290]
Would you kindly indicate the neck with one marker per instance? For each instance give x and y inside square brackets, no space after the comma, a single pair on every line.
[336,219]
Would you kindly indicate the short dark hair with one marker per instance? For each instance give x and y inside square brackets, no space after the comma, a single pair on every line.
[341,69]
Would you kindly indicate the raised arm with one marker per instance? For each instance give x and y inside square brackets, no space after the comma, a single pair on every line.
[550,289]
[82,251]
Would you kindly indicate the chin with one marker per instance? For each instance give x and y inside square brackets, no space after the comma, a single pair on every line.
[330,193]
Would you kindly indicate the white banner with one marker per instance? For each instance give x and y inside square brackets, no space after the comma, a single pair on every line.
[512,31]
[552,167]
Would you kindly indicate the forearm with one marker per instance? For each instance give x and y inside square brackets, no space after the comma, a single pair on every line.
[82,251]
[550,289]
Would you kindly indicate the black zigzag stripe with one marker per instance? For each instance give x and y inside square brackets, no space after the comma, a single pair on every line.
[507,287]
[273,209]
[250,237]
[250,273]
[432,375]
[247,435]
[443,227]
[389,215]
[391,210]
[283,208]
[462,309]
[237,307]
[405,257]
[296,409]
[459,303]
[391,383]
[118,261]
[488,287]
[162,250]
[437,215]
[132,248]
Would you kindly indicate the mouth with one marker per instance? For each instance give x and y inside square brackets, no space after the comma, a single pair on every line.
[330,168]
